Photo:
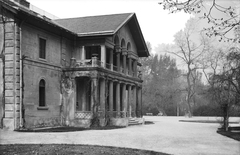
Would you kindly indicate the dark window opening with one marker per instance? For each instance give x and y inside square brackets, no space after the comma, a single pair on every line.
[42,48]
[93,50]
[42,100]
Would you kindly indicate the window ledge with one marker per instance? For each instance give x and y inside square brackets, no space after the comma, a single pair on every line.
[42,59]
[42,108]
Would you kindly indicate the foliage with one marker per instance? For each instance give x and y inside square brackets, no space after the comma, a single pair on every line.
[160,85]
[209,10]
[225,85]
[189,52]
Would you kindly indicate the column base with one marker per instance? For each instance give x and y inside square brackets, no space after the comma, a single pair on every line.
[102,122]
[8,123]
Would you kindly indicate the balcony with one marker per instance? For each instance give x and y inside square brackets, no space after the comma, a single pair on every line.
[94,62]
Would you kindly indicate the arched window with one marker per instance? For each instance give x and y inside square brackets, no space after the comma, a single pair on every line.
[128,46]
[123,43]
[42,99]
[116,40]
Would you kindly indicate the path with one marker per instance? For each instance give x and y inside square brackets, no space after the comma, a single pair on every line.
[167,135]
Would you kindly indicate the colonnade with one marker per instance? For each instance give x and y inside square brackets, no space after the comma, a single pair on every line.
[118,98]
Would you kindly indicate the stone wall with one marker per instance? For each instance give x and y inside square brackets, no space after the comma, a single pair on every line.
[11,75]
[49,69]
[1,91]
[1,71]
[125,33]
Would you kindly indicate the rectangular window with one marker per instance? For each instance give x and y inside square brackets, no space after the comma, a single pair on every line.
[42,48]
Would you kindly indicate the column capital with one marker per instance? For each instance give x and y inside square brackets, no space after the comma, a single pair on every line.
[124,51]
[117,48]
[115,80]
[94,75]
[132,55]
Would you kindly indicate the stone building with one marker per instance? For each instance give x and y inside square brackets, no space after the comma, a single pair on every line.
[75,72]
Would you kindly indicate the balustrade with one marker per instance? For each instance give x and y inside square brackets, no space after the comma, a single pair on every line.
[100,114]
[97,63]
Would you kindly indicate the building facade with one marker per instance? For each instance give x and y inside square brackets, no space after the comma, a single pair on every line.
[76,72]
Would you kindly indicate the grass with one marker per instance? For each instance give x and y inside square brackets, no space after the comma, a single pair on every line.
[234,133]
[62,149]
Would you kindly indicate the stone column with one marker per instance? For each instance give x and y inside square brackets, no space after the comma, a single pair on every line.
[94,61]
[135,68]
[118,98]
[103,56]
[124,100]
[139,101]
[84,99]
[110,96]
[118,61]
[102,95]
[102,102]
[130,66]
[111,59]
[134,100]
[83,53]
[125,62]
[94,98]
[129,100]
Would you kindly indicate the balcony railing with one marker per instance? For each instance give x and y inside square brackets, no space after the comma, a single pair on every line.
[100,114]
[97,63]
[84,63]
[83,114]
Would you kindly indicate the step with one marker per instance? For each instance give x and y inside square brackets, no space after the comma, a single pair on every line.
[133,121]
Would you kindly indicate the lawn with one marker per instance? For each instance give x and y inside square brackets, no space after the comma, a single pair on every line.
[62,149]
[234,133]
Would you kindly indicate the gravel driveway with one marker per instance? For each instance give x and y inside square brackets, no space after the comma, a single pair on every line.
[166,135]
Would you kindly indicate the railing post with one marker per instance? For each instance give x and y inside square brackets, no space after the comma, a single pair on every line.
[103,56]
[94,60]
[72,62]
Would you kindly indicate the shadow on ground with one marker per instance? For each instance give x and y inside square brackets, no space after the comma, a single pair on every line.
[68,129]
[60,149]
[233,132]
[206,121]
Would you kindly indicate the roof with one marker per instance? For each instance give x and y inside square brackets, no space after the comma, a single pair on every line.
[106,25]
[88,26]
[29,16]
[83,26]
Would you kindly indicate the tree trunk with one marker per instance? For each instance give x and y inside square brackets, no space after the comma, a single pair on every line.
[225,117]
[189,92]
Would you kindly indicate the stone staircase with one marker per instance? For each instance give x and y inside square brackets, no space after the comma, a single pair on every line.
[135,121]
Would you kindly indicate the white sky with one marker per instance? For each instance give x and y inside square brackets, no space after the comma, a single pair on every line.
[157,25]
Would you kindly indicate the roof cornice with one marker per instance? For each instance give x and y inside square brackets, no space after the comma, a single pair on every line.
[124,23]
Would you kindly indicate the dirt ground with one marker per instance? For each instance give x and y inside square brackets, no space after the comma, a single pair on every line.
[63,149]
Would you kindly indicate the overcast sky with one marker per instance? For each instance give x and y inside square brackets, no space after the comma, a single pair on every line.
[157,25]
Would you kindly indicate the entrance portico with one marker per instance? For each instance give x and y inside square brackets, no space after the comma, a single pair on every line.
[105,96]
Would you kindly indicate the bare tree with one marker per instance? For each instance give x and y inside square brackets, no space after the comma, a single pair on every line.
[217,25]
[189,52]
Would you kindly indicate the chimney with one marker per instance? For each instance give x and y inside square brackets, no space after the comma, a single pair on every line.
[23,3]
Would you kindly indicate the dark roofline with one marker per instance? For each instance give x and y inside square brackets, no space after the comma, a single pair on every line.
[141,35]
[21,13]
[124,23]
